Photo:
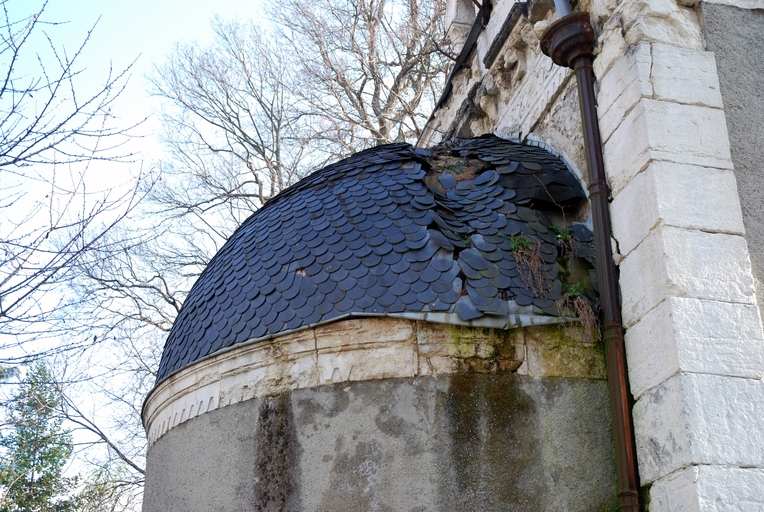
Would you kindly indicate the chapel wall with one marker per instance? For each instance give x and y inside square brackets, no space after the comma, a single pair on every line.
[511,89]
[734,35]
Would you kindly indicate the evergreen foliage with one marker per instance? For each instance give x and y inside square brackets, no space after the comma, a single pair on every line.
[36,449]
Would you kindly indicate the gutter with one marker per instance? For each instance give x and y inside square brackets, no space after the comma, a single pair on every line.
[462,61]
[570,43]
[464,58]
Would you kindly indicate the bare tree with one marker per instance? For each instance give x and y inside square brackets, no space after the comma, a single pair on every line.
[57,130]
[54,125]
[232,128]
[250,114]
[371,70]
[261,107]
[244,118]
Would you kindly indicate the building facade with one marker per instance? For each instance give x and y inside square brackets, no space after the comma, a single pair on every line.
[681,113]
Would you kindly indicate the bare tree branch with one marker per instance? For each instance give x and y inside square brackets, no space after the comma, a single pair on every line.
[49,138]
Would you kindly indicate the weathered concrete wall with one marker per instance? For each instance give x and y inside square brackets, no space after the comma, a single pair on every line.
[735,37]
[386,414]
[450,443]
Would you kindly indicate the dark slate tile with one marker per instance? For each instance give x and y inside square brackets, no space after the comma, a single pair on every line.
[354,237]
[466,309]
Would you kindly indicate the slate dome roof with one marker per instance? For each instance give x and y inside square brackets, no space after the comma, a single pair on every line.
[389,230]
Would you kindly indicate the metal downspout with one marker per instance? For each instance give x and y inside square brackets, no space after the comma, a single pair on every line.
[570,43]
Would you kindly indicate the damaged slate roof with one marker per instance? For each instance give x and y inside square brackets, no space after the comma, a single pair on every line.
[389,230]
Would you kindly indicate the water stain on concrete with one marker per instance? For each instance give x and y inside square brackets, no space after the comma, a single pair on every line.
[277,457]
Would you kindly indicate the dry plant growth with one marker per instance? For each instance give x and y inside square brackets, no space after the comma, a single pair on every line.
[582,321]
[529,263]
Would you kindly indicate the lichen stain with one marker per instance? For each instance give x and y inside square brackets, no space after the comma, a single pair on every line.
[277,457]
[483,350]
[402,422]
[557,354]
[333,402]
[491,453]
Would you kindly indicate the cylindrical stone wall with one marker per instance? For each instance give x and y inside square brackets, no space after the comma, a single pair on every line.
[385,414]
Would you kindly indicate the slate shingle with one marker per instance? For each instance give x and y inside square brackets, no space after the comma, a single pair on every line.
[370,235]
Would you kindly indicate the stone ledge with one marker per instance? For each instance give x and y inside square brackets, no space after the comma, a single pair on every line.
[364,349]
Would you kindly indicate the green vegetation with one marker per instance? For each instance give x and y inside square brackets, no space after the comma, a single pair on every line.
[36,450]
[464,238]
[518,242]
[573,290]
[561,234]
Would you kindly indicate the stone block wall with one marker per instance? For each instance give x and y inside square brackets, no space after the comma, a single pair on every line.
[365,349]
[694,340]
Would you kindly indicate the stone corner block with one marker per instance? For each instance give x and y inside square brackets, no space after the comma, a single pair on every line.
[709,488]
[623,86]
[699,419]
[663,130]
[690,335]
[676,262]
[685,76]
[662,21]
[677,491]
[677,195]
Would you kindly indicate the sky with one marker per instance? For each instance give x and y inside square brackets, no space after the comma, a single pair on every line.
[145,30]
[123,32]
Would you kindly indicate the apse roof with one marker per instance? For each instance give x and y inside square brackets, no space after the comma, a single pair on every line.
[391,230]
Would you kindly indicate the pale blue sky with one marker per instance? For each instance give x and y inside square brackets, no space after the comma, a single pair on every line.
[142,29]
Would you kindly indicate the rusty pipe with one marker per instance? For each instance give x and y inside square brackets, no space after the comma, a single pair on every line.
[570,43]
